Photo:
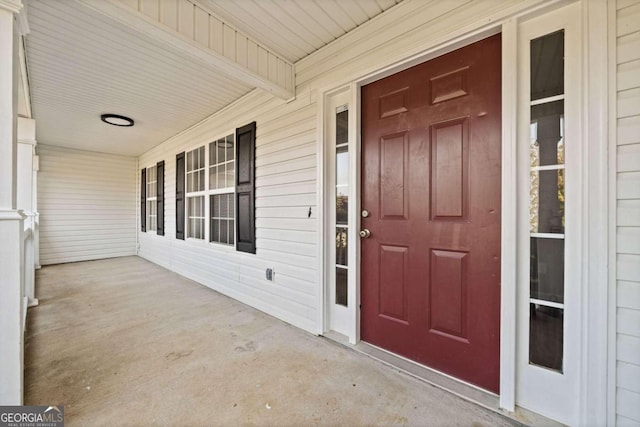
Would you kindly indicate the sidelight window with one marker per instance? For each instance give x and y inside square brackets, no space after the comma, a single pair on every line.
[342,204]
[547,202]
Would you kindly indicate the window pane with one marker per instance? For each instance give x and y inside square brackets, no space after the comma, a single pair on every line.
[231,152]
[221,146]
[342,205]
[342,188]
[232,231]
[341,286]
[189,161]
[231,174]
[232,205]
[221,177]
[198,231]
[546,211]
[342,127]
[215,230]
[224,231]
[545,336]
[213,158]
[200,180]
[341,246]
[547,66]
[547,269]
[201,157]
[342,166]
[547,144]
[224,205]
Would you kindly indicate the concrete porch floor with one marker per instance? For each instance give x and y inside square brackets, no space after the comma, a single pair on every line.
[125,342]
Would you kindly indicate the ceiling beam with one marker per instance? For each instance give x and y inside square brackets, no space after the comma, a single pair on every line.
[190,29]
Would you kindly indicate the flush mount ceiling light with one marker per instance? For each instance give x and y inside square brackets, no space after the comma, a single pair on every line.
[116,120]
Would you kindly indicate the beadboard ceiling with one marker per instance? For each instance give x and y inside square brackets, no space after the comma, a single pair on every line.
[82,64]
[296,28]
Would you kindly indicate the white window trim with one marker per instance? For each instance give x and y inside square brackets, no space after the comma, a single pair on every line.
[153,198]
[219,191]
[206,193]
[193,194]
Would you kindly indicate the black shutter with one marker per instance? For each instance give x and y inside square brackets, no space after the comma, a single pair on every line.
[160,198]
[143,200]
[245,188]
[180,196]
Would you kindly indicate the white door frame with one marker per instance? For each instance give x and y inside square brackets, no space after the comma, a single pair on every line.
[593,378]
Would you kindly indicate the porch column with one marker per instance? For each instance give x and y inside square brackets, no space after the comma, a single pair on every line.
[11,220]
[26,199]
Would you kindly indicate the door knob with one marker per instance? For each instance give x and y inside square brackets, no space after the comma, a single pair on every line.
[365,233]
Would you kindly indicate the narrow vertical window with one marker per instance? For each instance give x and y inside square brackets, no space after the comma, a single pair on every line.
[195,175]
[152,191]
[222,185]
[547,202]
[342,204]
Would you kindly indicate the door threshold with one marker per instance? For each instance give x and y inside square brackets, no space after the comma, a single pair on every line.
[463,390]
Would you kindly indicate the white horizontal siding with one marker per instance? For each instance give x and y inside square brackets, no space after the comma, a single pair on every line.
[628,213]
[285,190]
[87,204]
[286,160]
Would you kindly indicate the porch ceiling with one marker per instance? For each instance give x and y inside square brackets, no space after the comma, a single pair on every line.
[296,28]
[82,64]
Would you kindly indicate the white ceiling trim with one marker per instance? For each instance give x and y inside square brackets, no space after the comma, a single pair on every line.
[219,45]
[11,5]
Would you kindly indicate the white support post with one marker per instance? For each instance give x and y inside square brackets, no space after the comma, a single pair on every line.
[26,184]
[11,220]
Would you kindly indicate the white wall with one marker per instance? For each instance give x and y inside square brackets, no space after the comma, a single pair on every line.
[87,204]
[285,189]
[628,212]
[287,145]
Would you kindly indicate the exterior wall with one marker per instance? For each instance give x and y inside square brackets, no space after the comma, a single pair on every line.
[628,213]
[87,205]
[285,189]
[286,159]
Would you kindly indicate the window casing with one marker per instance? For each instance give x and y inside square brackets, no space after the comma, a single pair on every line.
[222,180]
[217,181]
[195,193]
[151,197]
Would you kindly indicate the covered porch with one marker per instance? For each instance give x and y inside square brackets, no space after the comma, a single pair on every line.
[191,356]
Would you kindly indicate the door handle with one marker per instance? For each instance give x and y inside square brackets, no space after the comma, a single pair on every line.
[365,233]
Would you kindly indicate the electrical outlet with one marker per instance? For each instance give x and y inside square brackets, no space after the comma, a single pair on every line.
[270,274]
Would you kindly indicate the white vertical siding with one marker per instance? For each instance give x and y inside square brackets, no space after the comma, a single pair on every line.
[628,213]
[206,29]
[87,204]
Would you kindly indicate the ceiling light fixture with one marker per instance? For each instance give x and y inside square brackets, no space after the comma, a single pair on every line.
[117,120]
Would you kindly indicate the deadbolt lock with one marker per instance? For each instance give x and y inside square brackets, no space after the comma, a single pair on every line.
[365,213]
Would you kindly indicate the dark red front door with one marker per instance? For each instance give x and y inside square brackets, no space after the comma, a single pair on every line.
[431,184]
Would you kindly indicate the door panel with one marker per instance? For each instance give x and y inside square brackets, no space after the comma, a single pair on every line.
[431,183]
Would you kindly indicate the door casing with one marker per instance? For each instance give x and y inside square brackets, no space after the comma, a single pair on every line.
[594,403]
